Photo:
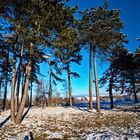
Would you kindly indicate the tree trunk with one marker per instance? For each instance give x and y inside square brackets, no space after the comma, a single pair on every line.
[135,94]
[90,79]
[6,82]
[5,93]
[110,90]
[23,84]
[0,86]
[13,87]
[96,83]
[28,74]
[111,96]
[69,84]
[50,88]
[23,102]
[31,94]
[18,80]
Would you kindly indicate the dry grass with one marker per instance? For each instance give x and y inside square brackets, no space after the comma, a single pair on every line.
[72,125]
[109,120]
[90,122]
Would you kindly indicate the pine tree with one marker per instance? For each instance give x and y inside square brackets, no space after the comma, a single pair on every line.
[35,22]
[68,52]
[132,72]
[112,76]
[100,27]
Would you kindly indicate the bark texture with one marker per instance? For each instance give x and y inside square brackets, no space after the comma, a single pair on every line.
[96,83]
[13,88]
[25,94]
[18,80]
[110,89]
[90,79]
[134,91]
[69,85]
[50,88]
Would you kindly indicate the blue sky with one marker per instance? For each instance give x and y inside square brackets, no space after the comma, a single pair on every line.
[130,14]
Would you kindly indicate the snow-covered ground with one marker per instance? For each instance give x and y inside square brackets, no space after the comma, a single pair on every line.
[61,123]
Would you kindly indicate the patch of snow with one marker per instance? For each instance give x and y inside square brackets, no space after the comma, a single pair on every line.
[55,135]
[76,123]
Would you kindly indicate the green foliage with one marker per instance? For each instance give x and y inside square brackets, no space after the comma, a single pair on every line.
[100,28]
[68,49]
[56,77]
[114,70]
[36,22]
[124,70]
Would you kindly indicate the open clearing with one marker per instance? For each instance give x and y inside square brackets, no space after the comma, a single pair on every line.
[61,123]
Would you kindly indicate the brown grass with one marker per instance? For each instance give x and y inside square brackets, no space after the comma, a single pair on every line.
[76,124]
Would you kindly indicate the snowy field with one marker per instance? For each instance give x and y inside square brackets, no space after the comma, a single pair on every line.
[61,123]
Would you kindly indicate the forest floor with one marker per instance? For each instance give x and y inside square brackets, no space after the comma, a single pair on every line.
[62,123]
